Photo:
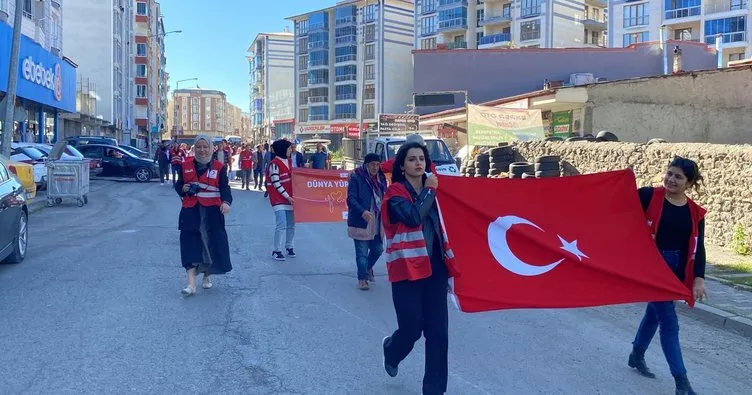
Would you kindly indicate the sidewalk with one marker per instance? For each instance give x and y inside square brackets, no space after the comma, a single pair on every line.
[39,202]
[727,307]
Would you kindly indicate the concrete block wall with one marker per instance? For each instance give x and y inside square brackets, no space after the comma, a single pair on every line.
[727,169]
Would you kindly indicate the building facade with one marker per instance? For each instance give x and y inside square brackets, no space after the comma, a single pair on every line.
[234,120]
[46,89]
[353,61]
[687,20]
[271,61]
[480,24]
[158,78]
[99,37]
[149,55]
[199,111]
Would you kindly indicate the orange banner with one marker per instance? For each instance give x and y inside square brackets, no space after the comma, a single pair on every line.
[320,195]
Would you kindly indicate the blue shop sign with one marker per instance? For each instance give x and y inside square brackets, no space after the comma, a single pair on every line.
[42,76]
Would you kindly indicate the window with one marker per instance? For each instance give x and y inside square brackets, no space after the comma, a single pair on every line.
[345,111]
[345,35]
[318,58]
[637,15]
[141,91]
[736,56]
[301,28]
[370,33]
[303,80]
[141,9]
[140,49]
[302,115]
[369,111]
[369,72]
[346,73]
[369,92]
[318,21]
[3,173]
[478,37]
[530,30]
[303,62]
[369,13]
[683,34]
[345,54]
[428,43]
[318,77]
[140,70]
[303,98]
[428,26]
[370,52]
[530,8]
[682,8]
[27,9]
[195,117]
[731,29]
[344,15]
[346,92]
[318,113]
[479,16]
[636,37]
[428,6]
[195,125]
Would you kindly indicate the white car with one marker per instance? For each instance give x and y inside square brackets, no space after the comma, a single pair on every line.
[71,153]
[27,153]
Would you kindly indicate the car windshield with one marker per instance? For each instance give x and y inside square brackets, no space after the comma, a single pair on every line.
[72,151]
[437,150]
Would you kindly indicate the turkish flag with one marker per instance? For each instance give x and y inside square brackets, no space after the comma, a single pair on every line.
[576,241]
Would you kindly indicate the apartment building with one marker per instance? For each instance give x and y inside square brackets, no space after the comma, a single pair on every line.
[353,61]
[233,119]
[158,78]
[99,38]
[148,36]
[481,24]
[685,20]
[199,111]
[46,88]
[271,63]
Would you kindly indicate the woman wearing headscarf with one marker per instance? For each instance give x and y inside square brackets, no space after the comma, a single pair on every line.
[279,187]
[365,189]
[419,264]
[205,191]
[678,227]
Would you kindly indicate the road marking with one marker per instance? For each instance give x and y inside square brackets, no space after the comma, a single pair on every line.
[129,231]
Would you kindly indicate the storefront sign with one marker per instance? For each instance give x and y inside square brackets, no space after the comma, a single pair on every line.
[312,129]
[398,122]
[561,124]
[42,76]
[489,126]
[320,195]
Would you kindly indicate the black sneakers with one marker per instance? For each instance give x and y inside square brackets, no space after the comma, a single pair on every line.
[277,255]
[390,370]
[291,253]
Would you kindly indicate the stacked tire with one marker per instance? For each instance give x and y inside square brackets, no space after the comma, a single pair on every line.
[482,165]
[547,166]
[469,167]
[521,170]
[500,158]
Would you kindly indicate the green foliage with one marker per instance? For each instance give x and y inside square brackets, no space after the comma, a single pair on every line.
[740,241]
[337,155]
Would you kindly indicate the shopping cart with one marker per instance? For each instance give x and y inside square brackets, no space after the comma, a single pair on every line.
[66,179]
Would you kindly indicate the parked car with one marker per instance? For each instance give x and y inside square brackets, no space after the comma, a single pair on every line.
[117,162]
[14,215]
[25,174]
[135,151]
[71,153]
[26,153]
[77,141]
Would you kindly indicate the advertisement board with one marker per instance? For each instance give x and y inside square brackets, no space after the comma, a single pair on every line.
[320,195]
[489,126]
[42,76]
[399,122]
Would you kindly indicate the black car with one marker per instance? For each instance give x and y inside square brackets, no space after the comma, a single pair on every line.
[117,162]
[78,141]
[14,232]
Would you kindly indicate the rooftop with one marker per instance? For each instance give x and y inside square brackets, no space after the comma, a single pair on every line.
[340,4]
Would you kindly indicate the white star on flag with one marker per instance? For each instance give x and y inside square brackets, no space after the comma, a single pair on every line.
[571,247]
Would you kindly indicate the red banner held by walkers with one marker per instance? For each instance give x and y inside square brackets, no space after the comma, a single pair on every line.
[553,243]
[320,195]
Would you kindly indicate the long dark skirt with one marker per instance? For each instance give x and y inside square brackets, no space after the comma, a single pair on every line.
[203,240]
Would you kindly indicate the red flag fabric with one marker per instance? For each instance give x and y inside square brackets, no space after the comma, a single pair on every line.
[577,241]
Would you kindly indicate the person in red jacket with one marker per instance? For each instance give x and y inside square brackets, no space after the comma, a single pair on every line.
[246,166]
[177,155]
[678,228]
[419,264]
[279,187]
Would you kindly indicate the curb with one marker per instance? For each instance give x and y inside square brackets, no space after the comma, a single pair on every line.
[729,283]
[719,318]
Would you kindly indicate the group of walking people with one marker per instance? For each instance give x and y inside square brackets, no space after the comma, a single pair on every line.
[419,260]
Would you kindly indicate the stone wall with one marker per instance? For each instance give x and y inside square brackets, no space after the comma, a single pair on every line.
[727,169]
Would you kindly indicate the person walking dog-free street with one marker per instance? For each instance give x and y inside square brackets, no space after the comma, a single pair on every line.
[419,263]
[206,197]
[279,188]
[678,228]
[365,190]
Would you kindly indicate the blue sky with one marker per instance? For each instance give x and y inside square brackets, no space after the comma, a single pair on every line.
[215,38]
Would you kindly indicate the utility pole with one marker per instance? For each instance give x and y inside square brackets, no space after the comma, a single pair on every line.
[362,73]
[10,96]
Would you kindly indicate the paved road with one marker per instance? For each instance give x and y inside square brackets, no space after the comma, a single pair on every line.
[96,308]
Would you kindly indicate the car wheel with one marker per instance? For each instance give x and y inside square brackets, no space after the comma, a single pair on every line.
[20,242]
[143,174]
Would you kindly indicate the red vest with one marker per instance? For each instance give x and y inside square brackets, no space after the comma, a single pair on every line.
[176,156]
[653,216]
[246,160]
[407,256]
[285,177]
[208,195]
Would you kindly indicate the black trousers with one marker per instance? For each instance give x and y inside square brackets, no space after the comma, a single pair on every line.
[421,308]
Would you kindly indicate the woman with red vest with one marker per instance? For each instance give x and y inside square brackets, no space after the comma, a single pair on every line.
[419,264]
[206,195]
[678,228]
[177,154]
[246,166]
[279,187]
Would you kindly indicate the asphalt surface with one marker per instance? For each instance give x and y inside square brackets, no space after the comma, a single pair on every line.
[96,309]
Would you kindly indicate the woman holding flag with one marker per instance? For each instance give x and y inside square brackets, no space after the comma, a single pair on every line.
[677,225]
[419,264]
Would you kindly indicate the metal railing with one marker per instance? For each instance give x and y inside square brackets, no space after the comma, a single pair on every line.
[495,17]
[344,115]
[318,81]
[346,77]
[457,45]
[318,99]
[318,117]
[726,6]
[349,39]
[496,38]
[456,23]
[345,20]
[346,96]
[685,12]
[345,58]
[733,37]
[318,44]
[531,35]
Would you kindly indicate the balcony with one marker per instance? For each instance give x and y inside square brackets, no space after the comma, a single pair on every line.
[346,40]
[346,58]
[595,22]
[318,82]
[728,38]
[597,3]
[344,21]
[313,27]
[446,4]
[497,18]
[428,7]
[494,40]
[452,25]
[725,6]
[344,115]
[318,99]
[346,96]
[686,12]
[318,117]
[457,45]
